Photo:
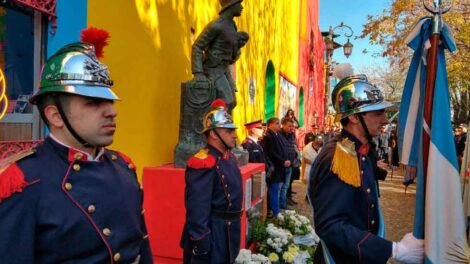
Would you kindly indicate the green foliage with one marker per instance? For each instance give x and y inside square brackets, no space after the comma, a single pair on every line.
[259,230]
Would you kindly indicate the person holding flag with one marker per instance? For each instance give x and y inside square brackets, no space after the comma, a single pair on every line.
[343,184]
[426,141]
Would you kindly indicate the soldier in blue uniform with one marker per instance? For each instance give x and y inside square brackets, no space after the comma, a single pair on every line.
[252,142]
[71,200]
[343,186]
[213,194]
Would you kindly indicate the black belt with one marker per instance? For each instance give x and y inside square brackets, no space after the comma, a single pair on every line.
[227,215]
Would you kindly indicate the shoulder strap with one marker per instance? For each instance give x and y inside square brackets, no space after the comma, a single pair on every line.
[4,164]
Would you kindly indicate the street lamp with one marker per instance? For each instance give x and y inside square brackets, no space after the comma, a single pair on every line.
[330,46]
[347,48]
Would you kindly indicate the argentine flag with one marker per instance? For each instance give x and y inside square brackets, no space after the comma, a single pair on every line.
[439,212]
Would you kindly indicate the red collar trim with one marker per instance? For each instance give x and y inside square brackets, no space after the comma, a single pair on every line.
[364,149]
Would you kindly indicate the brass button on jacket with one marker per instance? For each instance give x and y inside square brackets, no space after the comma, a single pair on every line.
[91,208]
[68,186]
[76,167]
[117,257]
[106,231]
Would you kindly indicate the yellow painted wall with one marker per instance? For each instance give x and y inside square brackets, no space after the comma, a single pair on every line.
[149,57]
[274,35]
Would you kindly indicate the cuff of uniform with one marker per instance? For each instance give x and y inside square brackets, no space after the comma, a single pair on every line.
[374,249]
[202,246]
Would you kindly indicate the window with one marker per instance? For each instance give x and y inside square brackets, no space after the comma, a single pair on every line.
[21,43]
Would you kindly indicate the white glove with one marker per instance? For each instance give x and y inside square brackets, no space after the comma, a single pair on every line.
[409,250]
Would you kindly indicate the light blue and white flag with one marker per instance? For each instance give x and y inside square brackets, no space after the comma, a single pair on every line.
[439,212]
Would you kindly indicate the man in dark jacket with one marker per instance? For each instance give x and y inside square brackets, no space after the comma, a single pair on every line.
[277,156]
[213,194]
[343,184]
[288,140]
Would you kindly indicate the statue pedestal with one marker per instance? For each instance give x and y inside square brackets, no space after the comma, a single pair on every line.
[165,212]
[196,97]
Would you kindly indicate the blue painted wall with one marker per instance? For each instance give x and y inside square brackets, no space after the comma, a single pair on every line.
[71,19]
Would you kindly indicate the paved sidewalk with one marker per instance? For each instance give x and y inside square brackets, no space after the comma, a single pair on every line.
[397,207]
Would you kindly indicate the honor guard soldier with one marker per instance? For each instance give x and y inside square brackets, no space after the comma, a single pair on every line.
[213,194]
[252,142]
[71,200]
[343,184]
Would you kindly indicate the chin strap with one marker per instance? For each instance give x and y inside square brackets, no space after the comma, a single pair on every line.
[68,125]
[364,126]
[221,140]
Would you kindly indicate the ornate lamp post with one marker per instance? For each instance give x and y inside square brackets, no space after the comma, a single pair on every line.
[331,45]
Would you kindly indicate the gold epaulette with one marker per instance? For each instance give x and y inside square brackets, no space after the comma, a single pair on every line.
[345,163]
[4,164]
[202,154]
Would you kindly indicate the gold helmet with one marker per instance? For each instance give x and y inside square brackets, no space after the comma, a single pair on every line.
[355,94]
[217,116]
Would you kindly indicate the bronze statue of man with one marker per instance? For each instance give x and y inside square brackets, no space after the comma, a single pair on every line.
[216,48]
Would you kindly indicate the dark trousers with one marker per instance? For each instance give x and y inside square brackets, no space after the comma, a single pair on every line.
[295,176]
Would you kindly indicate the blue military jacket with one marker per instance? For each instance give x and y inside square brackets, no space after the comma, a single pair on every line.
[255,151]
[213,182]
[71,210]
[347,217]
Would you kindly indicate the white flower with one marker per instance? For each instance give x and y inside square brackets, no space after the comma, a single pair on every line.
[258,258]
[304,219]
[244,256]
[293,249]
[290,212]
[288,257]
[273,257]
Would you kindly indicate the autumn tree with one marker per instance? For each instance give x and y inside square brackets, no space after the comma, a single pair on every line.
[389,78]
[390,28]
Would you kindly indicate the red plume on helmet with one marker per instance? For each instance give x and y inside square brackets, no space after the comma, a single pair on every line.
[97,37]
[219,103]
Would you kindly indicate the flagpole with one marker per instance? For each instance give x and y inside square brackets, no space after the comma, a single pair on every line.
[429,91]
[432,60]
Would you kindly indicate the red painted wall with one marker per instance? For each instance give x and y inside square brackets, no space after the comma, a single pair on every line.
[311,63]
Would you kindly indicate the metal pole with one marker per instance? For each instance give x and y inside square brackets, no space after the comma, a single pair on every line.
[429,94]
[329,55]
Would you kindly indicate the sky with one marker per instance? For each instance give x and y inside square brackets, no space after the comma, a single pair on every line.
[353,14]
